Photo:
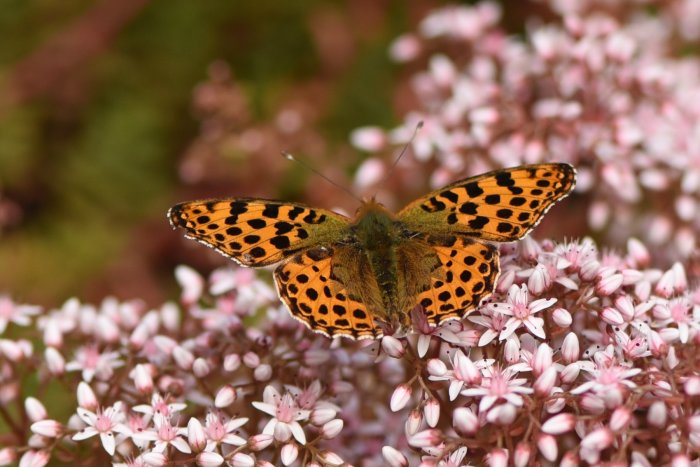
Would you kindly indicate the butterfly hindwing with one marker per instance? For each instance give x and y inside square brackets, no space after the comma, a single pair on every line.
[256,232]
[466,275]
[503,205]
[316,297]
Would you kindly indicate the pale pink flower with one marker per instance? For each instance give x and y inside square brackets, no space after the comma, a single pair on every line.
[609,380]
[161,406]
[219,431]
[499,385]
[104,423]
[164,434]
[286,415]
[91,362]
[521,311]
[10,312]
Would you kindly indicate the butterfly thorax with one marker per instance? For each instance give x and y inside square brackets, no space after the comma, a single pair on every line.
[377,234]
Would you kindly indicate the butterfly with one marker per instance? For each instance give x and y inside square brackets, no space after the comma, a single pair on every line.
[354,277]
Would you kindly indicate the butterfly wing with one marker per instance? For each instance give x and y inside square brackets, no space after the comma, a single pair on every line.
[503,205]
[465,276]
[317,297]
[256,232]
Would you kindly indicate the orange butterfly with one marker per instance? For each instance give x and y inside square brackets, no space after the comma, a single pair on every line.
[349,277]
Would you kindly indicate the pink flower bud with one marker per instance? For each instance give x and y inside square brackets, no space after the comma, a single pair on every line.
[106,329]
[425,439]
[142,378]
[260,442]
[48,428]
[400,397]
[170,316]
[464,421]
[196,437]
[569,459]
[35,409]
[612,316]
[33,458]
[570,350]
[413,422]
[529,249]
[506,279]
[620,418]
[545,382]
[289,453]
[511,350]
[331,458]
[86,397]
[393,347]
[657,345]
[242,460]
[251,359]
[638,253]
[694,424]
[263,372]
[191,282]
[332,429]
[370,139]
[436,367]
[521,457]
[232,362]
[54,361]
[183,357]
[431,410]
[589,270]
[562,317]
[657,414]
[598,439]
[316,357]
[539,280]
[209,459]
[664,287]
[165,344]
[139,336]
[225,397]
[465,370]
[7,456]
[608,285]
[53,337]
[593,404]
[11,350]
[503,414]
[497,458]
[200,368]
[559,424]
[393,457]
[692,386]
[542,359]
[547,445]
[322,414]
[154,459]
[680,460]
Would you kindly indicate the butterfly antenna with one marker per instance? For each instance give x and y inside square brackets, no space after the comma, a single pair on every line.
[290,157]
[403,151]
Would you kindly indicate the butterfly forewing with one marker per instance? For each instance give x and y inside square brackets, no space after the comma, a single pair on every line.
[466,276]
[503,205]
[317,298]
[257,232]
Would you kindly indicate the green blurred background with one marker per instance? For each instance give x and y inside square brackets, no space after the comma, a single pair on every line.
[112,110]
